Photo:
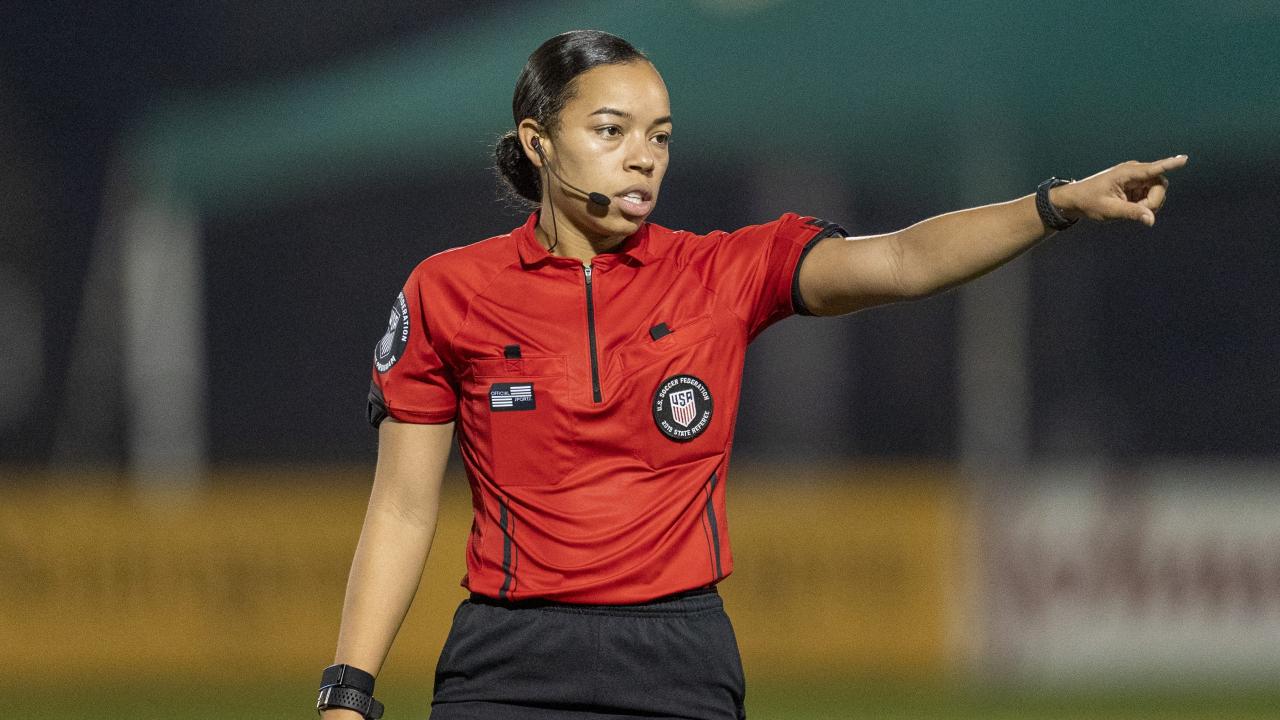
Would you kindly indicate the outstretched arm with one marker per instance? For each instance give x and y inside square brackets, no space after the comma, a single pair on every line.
[841,275]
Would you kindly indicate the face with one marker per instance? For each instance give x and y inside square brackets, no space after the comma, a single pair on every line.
[611,138]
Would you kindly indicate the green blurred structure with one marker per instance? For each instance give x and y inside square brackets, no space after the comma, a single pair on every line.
[1077,80]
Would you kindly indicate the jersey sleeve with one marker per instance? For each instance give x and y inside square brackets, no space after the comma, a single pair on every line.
[757,268]
[411,382]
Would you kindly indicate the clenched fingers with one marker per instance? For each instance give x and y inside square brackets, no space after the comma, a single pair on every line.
[1155,196]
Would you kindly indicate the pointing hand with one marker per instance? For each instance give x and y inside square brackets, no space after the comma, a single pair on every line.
[1129,191]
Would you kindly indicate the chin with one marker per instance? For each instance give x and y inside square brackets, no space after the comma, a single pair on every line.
[620,224]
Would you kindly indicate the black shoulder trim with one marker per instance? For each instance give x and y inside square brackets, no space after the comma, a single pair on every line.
[377,405]
[825,230]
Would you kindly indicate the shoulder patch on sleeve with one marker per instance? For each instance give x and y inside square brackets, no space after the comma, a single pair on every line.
[391,347]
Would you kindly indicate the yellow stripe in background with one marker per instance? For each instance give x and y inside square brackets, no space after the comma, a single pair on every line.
[855,572]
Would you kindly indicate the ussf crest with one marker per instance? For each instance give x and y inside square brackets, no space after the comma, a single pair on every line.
[682,407]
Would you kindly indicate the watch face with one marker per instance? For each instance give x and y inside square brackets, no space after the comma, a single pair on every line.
[1050,216]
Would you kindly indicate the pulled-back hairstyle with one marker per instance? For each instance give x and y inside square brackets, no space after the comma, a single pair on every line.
[544,86]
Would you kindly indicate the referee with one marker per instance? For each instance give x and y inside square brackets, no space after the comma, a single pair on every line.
[590,363]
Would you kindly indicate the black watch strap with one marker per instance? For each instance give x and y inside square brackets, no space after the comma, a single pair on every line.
[337,696]
[1050,215]
[347,676]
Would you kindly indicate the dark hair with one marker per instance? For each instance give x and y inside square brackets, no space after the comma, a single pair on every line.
[544,86]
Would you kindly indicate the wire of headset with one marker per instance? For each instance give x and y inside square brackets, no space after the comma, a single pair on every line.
[546,165]
[596,198]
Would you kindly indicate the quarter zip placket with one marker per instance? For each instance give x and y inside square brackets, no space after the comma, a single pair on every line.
[591,336]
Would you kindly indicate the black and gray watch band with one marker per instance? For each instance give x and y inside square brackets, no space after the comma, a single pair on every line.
[336,696]
[1050,215]
[350,688]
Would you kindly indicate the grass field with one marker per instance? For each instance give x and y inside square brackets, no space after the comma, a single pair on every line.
[765,702]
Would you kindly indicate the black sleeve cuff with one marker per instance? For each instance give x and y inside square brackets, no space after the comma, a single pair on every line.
[825,230]
[377,405]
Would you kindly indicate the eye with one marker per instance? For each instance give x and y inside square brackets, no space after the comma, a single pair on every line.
[662,139]
[609,131]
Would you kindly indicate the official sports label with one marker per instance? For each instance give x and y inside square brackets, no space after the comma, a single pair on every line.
[511,396]
[682,407]
[391,346]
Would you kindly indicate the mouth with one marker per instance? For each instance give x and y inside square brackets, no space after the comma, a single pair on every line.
[635,201]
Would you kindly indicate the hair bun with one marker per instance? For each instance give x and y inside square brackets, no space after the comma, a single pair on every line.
[515,168]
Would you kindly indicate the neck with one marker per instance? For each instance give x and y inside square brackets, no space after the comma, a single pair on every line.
[565,240]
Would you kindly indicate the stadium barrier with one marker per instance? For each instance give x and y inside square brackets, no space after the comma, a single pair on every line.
[837,573]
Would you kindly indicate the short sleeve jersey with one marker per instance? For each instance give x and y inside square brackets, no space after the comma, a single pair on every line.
[595,404]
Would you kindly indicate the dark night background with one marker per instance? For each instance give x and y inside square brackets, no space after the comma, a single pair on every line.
[1141,343]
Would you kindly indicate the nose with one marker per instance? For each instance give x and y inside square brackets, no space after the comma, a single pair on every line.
[640,155]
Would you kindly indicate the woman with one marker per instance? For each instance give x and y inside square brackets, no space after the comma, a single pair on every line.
[592,361]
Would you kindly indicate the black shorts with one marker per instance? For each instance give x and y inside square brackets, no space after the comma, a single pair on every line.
[673,658]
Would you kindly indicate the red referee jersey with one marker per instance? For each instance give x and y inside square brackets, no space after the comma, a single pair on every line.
[595,404]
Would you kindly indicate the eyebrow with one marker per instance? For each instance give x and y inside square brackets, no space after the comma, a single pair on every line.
[627,115]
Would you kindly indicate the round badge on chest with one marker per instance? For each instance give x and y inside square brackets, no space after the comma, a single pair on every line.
[682,407]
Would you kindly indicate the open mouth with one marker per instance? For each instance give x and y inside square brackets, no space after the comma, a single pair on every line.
[635,202]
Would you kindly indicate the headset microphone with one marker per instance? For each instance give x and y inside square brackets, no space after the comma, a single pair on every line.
[596,198]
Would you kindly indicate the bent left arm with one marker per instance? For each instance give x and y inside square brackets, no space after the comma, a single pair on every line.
[841,275]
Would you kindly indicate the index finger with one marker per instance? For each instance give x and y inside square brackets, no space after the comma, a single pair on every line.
[1152,169]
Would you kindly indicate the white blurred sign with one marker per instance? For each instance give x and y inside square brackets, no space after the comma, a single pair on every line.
[1163,573]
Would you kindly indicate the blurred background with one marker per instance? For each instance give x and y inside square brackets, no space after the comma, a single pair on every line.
[1054,492]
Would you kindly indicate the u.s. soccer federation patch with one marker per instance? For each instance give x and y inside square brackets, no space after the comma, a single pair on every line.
[682,407]
[511,396]
[391,347]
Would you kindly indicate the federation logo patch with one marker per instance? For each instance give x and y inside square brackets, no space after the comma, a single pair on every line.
[511,396]
[682,407]
[391,347]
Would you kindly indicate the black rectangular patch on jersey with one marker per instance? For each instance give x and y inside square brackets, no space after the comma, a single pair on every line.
[511,396]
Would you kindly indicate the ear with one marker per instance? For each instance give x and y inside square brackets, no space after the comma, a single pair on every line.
[527,131]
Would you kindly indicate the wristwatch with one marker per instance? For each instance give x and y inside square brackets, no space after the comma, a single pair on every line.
[350,688]
[1050,215]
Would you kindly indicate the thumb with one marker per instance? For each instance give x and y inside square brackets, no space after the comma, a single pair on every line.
[1145,216]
